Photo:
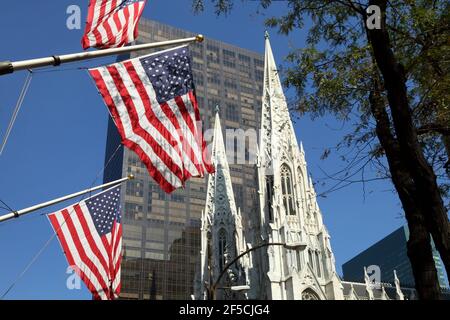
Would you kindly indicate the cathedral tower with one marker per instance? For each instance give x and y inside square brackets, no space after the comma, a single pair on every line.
[222,236]
[289,212]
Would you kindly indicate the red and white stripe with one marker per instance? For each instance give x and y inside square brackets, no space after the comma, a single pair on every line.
[109,25]
[95,259]
[167,137]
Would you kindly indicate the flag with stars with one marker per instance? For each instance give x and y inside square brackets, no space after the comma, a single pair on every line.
[112,23]
[153,104]
[90,233]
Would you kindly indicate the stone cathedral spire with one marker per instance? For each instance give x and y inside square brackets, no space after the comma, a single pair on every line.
[222,236]
[289,212]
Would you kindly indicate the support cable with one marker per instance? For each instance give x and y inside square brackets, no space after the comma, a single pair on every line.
[42,249]
[19,103]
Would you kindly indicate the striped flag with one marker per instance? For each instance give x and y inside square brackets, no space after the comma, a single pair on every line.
[112,23]
[90,233]
[152,101]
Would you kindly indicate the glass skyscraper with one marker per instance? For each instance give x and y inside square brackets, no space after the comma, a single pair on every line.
[390,253]
[162,231]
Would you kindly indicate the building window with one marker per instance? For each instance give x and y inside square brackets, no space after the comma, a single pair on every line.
[308,294]
[228,54]
[232,112]
[229,58]
[287,260]
[161,193]
[222,248]
[259,63]
[177,197]
[212,103]
[244,59]
[230,84]
[150,201]
[310,258]
[212,54]
[201,102]
[197,52]
[239,193]
[269,191]
[199,79]
[135,188]
[214,78]
[259,75]
[299,261]
[287,190]
[319,273]
[132,210]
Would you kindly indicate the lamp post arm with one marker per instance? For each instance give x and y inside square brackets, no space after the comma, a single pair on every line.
[213,288]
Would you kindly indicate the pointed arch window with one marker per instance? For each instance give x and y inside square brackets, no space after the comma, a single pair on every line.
[319,273]
[309,294]
[310,259]
[287,190]
[299,260]
[222,248]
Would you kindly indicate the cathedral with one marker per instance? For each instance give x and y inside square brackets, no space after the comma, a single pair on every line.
[285,253]
[289,253]
[304,268]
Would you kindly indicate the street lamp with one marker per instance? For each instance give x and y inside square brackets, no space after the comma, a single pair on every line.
[240,288]
[298,246]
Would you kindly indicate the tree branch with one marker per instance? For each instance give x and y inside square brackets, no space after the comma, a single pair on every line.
[434,128]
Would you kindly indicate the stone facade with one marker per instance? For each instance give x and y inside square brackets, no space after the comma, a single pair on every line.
[297,262]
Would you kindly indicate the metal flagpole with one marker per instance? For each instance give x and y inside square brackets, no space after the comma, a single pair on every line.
[7,67]
[16,214]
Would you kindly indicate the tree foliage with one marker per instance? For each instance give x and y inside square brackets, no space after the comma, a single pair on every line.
[334,74]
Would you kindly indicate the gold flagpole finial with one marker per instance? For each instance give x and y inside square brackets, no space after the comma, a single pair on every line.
[199,38]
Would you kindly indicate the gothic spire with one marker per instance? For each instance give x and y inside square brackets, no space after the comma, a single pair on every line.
[219,155]
[221,179]
[368,283]
[222,232]
[276,125]
[398,290]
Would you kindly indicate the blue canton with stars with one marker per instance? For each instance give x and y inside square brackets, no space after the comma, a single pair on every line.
[127,3]
[104,209]
[170,73]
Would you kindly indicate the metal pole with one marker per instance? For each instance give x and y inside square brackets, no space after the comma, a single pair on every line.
[19,213]
[214,286]
[297,247]
[7,67]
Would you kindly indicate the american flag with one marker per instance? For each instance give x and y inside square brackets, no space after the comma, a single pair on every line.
[90,233]
[112,23]
[152,101]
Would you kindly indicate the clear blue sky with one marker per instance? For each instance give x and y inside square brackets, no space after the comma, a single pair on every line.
[58,143]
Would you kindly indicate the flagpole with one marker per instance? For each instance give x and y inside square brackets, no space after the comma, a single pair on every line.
[17,214]
[7,67]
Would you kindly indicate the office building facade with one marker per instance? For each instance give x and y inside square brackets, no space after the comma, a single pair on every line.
[389,254]
[162,231]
